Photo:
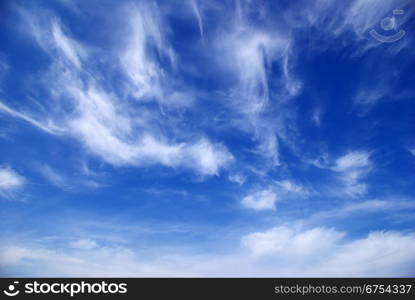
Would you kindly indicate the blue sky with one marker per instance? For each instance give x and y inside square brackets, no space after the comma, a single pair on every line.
[207,138]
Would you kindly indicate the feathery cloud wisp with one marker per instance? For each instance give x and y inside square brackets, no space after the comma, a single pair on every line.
[119,132]
[10,181]
[261,200]
[352,167]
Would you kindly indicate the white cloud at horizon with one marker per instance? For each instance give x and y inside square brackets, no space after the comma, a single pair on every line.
[279,251]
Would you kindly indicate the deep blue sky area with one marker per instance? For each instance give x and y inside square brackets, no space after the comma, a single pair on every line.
[207,138]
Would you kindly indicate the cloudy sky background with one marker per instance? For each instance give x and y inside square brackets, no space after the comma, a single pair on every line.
[206,138]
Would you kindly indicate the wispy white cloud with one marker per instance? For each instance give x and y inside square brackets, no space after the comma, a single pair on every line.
[4,66]
[138,60]
[268,144]
[67,46]
[118,131]
[49,126]
[237,178]
[253,47]
[106,133]
[260,200]
[277,191]
[84,244]
[349,170]
[250,52]
[351,209]
[368,97]
[198,15]
[290,242]
[70,182]
[207,157]
[10,181]
[352,161]
[112,134]
[292,84]
[53,176]
[352,167]
[326,252]
[49,34]
[291,187]
[316,117]
[378,205]
[149,61]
